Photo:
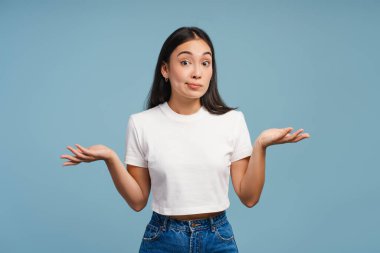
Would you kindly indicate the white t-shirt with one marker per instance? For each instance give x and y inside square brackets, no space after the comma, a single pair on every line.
[188,156]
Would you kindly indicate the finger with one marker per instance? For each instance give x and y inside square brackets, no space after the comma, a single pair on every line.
[71,158]
[286,132]
[301,137]
[290,137]
[296,134]
[74,151]
[83,149]
[288,129]
[69,163]
[79,154]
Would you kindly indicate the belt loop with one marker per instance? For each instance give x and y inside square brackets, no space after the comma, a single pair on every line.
[212,224]
[165,222]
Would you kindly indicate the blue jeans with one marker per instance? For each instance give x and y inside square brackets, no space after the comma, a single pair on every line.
[164,234]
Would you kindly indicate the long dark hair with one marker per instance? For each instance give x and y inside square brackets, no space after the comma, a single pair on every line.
[160,91]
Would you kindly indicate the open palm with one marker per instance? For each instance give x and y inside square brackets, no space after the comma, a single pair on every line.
[275,136]
[90,154]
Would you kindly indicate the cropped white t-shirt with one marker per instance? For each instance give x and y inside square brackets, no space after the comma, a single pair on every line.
[188,156]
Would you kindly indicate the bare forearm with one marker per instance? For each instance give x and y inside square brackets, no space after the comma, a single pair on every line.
[252,183]
[125,184]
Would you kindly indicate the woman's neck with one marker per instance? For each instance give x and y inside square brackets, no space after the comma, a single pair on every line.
[185,107]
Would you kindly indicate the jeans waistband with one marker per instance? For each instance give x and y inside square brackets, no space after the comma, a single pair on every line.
[166,222]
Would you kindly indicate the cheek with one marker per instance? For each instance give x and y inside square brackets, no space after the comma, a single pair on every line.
[209,74]
[178,74]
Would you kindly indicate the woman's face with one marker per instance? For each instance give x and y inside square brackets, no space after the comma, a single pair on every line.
[189,69]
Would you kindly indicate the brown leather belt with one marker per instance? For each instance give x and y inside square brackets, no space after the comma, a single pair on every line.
[199,218]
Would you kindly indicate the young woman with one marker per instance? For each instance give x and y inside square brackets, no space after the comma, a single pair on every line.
[184,147]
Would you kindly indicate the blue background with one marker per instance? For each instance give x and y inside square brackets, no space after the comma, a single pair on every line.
[73,71]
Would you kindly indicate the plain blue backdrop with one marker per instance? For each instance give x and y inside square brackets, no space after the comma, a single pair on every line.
[73,71]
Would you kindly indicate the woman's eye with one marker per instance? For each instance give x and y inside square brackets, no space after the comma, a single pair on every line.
[185,62]
[206,63]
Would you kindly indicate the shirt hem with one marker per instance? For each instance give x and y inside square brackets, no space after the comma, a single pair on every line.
[136,162]
[242,154]
[190,210]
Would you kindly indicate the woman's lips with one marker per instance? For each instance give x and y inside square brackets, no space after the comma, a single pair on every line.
[194,86]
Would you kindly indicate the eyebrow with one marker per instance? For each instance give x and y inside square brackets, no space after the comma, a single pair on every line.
[188,52]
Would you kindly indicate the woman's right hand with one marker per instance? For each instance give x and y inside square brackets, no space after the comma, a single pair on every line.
[90,154]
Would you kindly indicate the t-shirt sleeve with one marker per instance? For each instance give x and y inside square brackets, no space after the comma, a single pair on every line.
[242,140]
[134,154]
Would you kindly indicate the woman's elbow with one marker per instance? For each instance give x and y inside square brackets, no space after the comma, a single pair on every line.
[138,208]
[251,203]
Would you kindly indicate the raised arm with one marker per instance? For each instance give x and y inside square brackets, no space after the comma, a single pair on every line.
[248,175]
[134,187]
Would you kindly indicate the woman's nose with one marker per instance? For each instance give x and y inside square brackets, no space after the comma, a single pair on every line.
[196,76]
[197,72]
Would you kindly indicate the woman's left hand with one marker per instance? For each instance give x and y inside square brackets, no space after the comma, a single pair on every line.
[275,136]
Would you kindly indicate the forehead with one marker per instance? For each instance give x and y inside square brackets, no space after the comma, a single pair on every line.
[197,47]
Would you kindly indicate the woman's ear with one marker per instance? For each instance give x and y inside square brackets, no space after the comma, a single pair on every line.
[165,70]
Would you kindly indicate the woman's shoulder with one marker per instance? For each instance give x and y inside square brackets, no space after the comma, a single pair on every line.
[232,114]
[146,115]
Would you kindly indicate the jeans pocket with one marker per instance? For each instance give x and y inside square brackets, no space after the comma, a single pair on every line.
[224,232]
[152,232]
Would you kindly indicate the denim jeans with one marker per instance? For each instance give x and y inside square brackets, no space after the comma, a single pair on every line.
[164,234]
